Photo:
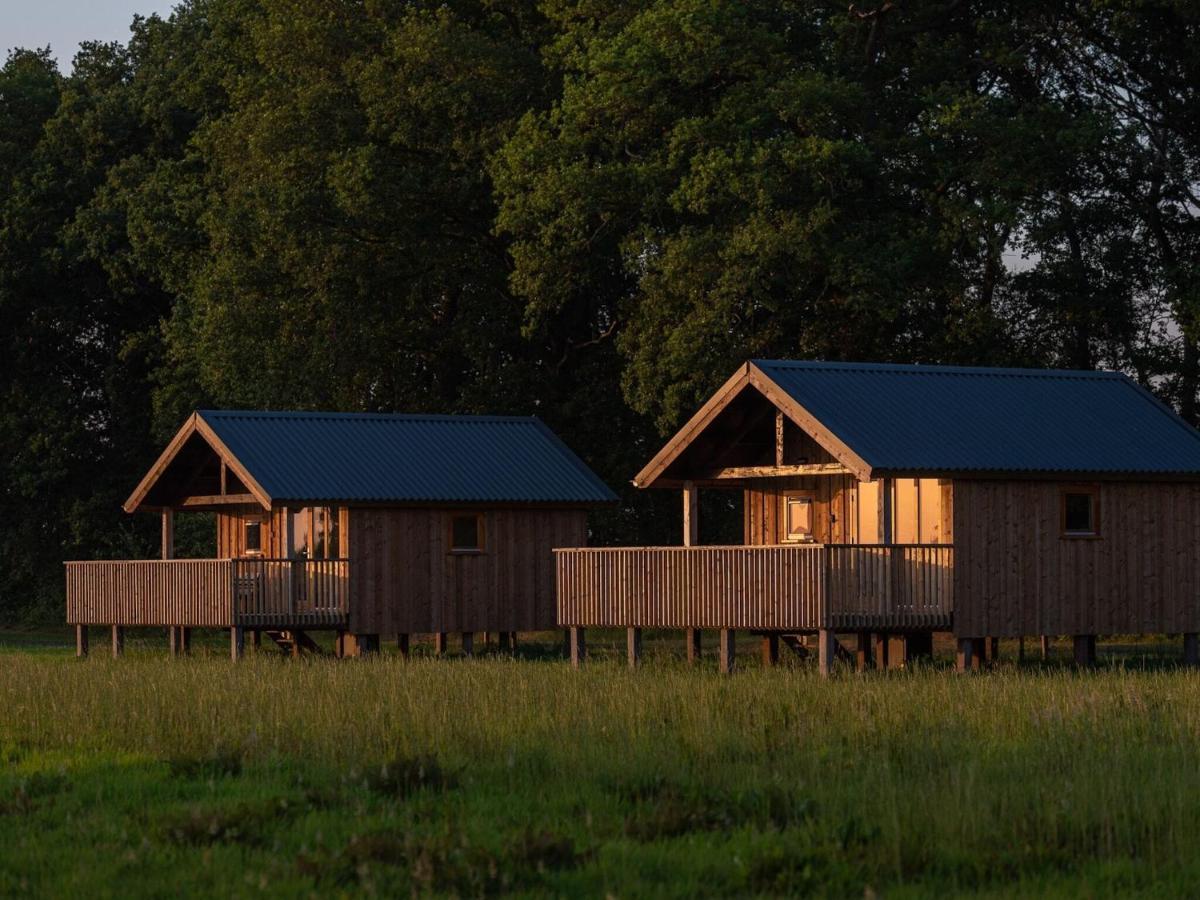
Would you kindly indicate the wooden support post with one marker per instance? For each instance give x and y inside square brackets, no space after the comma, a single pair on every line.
[726,651]
[1085,650]
[886,516]
[1191,649]
[1021,650]
[862,656]
[364,644]
[691,638]
[770,650]
[402,644]
[185,639]
[118,640]
[1045,647]
[173,640]
[256,639]
[883,654]
[512,641]
[918,645]
[237,642]
[577,643]
[964,657]
[439,643]
[826,651]
[633,646]
[993,650]
[81,641]
[505,641]
[691,515]
[168,534]
[468,643]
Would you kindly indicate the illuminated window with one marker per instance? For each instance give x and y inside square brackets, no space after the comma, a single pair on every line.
[254,537]
[798,518]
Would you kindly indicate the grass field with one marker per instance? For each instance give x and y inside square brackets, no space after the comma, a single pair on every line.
[151,776]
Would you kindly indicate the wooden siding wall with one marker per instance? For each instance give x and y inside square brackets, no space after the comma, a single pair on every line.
[1016,575]
[847,511]
[403,577]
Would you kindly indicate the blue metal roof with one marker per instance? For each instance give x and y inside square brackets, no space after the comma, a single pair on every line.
[405,458]
[906,418]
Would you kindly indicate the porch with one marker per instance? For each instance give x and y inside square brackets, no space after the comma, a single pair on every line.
[782,588]
[257,593]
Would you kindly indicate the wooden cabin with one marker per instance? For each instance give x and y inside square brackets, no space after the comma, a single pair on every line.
[883,503]
[364,524]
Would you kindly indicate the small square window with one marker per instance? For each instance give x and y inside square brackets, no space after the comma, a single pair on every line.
[466,533]
[1081,512]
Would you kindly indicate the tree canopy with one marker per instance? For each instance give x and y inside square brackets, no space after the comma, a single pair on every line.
[586,211]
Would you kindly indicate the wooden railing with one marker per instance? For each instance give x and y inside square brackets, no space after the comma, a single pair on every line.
[196,592]
[291,591]
[769,588]
[217,593]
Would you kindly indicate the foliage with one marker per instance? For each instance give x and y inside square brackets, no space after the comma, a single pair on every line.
[587,211]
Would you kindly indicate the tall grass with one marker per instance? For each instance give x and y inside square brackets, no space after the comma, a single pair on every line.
[769,781]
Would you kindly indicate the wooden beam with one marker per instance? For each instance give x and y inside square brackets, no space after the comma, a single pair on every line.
[81,641]
[729,473]
[886,514]
[201,500]
[691,515]
[237,642]
[692,640]
[963,659]
[1045,646]
[862,658]
[779,419]
[173,640]
[118,640]
[439,643]
[726,651]
[578,646]
[224,478]
[696,424]
[883,651]
[168,534]
[402,644]
[633,646]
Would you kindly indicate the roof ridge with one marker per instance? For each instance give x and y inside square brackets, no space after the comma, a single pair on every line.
[939,369]
[331,414]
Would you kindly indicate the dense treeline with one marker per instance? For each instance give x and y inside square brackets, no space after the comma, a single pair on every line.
[589,211]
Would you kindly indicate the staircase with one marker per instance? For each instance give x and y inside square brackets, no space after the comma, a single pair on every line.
[294,643]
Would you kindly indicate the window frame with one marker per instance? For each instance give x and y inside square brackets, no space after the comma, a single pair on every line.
[247,523]
[785,533]
[1090,490]
[480,533]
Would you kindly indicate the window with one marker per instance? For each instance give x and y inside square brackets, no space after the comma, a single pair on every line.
[1081,511]
[798,518]
[254,537]
[466,533]
[315,533]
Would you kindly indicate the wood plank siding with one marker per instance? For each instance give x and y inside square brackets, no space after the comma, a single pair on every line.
[406,579]
[192,592]
[775,588]
[1019,575]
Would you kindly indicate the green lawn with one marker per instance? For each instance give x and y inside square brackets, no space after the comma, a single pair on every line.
[151,776]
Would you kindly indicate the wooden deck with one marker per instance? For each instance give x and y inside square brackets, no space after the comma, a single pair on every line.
[843,587]
[216,593]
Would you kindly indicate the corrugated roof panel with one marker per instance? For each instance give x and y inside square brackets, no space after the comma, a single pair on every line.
[956,419]
[406,458]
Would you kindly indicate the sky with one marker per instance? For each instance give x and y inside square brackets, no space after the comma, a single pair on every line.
[63,24]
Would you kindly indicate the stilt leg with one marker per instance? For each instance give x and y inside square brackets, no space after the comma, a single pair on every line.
[468,643]
[1045,647]
[578,646]
[81,641]
[826,649]
[505,641]
[770,650]
[862,656]
[692,639]
[237,643]
[633,646]
[882,651]
[964,657]
[118,640]
[726,651]
[256,639]
[402,644]
[1085,650]
[439,643]
[1191,649]
[173,640]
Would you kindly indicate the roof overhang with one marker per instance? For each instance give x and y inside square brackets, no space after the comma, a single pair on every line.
[750,377]
[195,425]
